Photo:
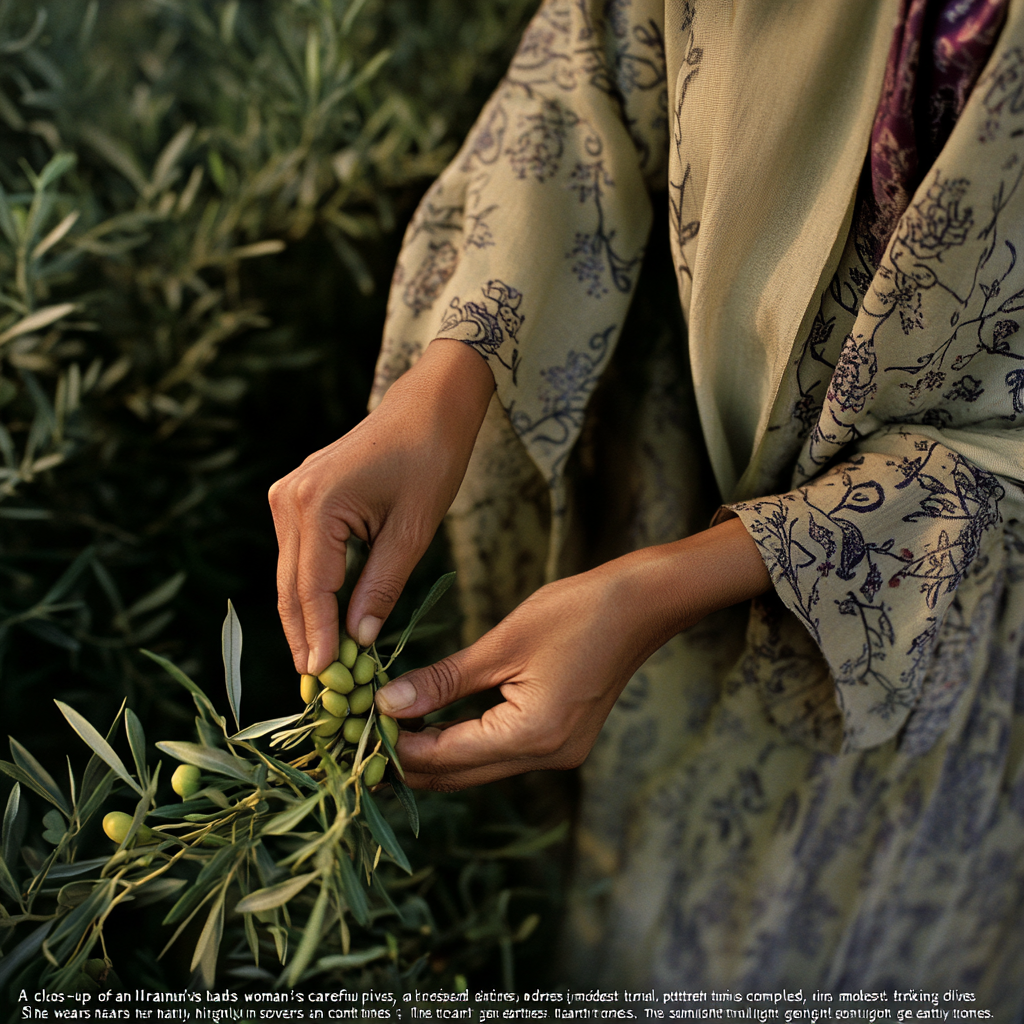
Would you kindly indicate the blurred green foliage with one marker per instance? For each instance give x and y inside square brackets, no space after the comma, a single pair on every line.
[201,203]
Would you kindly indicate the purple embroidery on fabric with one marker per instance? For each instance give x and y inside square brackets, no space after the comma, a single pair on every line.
[938,52]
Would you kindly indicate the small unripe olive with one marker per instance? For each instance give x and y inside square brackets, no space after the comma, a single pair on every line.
[361,699]
[388,726]
[116,825]
[185,780]
[374,770]
[353,729]
[349,652]
[338,678]
[326,724]
[383,678]
[363,670]
[345,766]
[336,704]
[309,687]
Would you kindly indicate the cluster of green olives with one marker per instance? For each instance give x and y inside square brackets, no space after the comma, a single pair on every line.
[345,689]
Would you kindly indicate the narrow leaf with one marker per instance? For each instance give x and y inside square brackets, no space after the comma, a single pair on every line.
[274,895]
[205,955]
[43,779]
[262,728]
[437,591]
[22,953]
[137,742]
[203,702]
[381,831]
[54,236]
[293,775]
[103,750]
[7,882]
[407,799]
[36,321]
[310,936]
[60,872]
[208,759]
[355,895]
[156,597]
[8,848]
[287,820]
[231,649]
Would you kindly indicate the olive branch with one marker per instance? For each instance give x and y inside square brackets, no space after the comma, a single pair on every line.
[253,824]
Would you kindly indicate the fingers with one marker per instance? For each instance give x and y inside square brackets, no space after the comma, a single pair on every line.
[288,604]
[310,569]
[428,689]
[474,752]
[320,573]
[504,738]
[393,556]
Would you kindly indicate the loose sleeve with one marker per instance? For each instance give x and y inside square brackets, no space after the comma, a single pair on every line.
[917,456]
[528,246]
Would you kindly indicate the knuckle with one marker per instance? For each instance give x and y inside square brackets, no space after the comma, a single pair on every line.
[441,681]
[384,590]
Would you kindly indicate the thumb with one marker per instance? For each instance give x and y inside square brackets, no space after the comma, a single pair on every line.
[392,558]
[427,689]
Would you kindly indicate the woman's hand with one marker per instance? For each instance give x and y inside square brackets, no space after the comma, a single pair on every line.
[389,482]
[563,657]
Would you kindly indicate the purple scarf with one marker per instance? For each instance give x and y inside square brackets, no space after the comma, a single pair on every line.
[938,52]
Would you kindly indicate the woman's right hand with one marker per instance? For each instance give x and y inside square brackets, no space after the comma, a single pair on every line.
[389,482]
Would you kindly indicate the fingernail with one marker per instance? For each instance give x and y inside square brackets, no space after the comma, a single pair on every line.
[313,665]
[369,627]
[396,696]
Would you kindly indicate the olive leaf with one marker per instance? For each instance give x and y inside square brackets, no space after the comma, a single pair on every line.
[436,592]
[274,895]
[253,732]
[44,782]
[137,743]
[103,750]
[355,895]
[203,703]
[205,956]
[310,937]
[208,759]
[231,650]
[382,832]
[287,820]
[9,843]
[408,801]
[293,775]
[23,952]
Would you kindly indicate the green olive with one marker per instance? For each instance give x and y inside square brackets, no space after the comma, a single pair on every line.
[364,669]
[116,825]
[353,729]
[349,651]
[361,700]
[374,770]
[345,766]
[338,678]
[388,726]
[336,704]
[185,780]
[383,678]
[309,687]
[326,724]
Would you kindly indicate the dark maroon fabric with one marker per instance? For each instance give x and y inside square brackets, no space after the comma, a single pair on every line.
[938,52]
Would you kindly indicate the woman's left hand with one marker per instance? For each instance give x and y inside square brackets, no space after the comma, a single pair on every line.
[562,658]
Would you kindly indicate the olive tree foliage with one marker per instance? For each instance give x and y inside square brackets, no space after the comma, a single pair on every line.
[163,165]
[155,155]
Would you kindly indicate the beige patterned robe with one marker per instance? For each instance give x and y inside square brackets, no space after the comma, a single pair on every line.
[827,789]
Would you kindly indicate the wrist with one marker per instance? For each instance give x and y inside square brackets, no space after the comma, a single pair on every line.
[669,587]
